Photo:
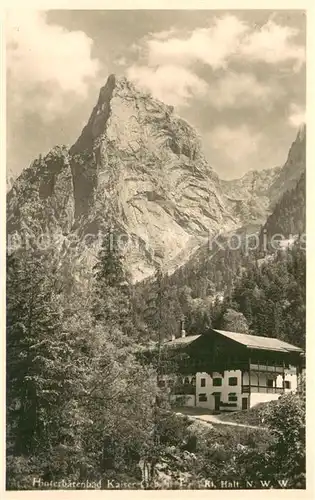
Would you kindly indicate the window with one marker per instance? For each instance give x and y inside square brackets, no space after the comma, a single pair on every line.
[193,381]
[269,382]
[203,382]
[186,381]
[202,397]
[217,381]
[232,396]
[232,380]
[287,384]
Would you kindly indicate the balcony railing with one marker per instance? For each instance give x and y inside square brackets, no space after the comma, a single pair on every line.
[266,368]
[272,368]
[262,388]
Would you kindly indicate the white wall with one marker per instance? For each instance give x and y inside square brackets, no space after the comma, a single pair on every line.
[255,397]
[288,376]
[263,396]
[224,389]
[291,377]
[204,390]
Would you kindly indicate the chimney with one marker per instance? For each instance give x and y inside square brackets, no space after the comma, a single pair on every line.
[182,328]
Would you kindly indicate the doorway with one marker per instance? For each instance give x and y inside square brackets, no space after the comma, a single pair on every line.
[244,403]
[217,398]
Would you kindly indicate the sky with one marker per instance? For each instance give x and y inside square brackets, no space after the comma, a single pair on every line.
[237,76]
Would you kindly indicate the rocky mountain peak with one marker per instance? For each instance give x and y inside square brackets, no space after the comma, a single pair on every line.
[140,167]
[301,135]
[293,168]
[124,114]
[253,197]
[137,163]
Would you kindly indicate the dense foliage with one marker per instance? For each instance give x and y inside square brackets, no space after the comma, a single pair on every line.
[79,405]
[272,296]
[267,297]
[82,406]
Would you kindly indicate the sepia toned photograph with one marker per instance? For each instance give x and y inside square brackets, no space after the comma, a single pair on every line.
[155,250]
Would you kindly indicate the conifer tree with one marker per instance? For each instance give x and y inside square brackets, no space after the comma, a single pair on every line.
[121,391]
[112,287]
[38,353]
[48,370]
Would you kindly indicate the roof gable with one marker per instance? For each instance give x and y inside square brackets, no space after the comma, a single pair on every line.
[257,342]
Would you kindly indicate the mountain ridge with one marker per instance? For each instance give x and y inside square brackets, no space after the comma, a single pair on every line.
[254,196]
[139,167]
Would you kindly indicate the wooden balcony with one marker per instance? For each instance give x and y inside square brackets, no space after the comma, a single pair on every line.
[262,388]
[266,368]
[272,368]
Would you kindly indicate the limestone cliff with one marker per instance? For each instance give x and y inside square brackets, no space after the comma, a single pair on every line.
[135,163]
[293,168]
[249,196]
[253,197]
[139,167]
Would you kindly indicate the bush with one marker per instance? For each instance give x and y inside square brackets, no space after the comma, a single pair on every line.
[286,421]
[172,429]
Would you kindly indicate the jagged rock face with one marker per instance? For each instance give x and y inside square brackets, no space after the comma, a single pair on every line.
[139,167]
[41,200]
[253,197]
[145,166]
[292,170]
[136,163]
[249,196]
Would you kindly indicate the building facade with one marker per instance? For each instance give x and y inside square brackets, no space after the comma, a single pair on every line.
[228,371]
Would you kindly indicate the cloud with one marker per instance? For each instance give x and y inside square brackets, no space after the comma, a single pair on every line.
[238,90]
[297,115]
[171,84]
[164,34]
[177,85]
[235,144]
[121,61]
[273,44]
[49,67]
[226,39]
[212,46]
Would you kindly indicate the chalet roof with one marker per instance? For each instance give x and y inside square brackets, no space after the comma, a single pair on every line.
[188,339]
[257,342]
